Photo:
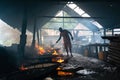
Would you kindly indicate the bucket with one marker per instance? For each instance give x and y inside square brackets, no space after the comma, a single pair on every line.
[86,52]
[101,55]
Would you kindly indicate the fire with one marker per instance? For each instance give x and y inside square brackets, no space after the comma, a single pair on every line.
[54,53]
[59,68]
[40,49]
[60,60]
[22,68]
[62,73]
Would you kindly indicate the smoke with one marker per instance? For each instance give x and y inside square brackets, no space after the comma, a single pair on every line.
[9,35]
[9,39]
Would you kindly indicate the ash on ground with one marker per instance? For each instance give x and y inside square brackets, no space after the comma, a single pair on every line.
[92,69]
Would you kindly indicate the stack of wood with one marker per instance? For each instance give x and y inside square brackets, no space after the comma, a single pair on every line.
[113,49]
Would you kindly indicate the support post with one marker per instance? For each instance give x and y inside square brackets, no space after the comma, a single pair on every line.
[23,36]
[38,36]
[104,35]
[93,36]
[34,31]
[63,19]
[104,39]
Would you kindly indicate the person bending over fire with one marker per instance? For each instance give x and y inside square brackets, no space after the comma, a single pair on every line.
[67,41]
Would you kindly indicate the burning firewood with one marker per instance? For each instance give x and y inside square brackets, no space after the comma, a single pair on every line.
[22,68]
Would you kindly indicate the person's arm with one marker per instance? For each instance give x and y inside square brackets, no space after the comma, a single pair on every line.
[58,38]
[70,35]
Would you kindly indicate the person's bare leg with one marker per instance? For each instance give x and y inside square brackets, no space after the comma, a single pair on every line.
[70,48]
[71,52]
[66,48]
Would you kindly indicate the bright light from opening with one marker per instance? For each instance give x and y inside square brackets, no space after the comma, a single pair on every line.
[117,29]
[85,15]
[97,24]
[10,35]
[72,5]
[60,13]
[79,11]
[82,13]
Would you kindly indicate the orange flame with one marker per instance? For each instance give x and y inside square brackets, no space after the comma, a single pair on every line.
[62,73]
[22,68]
[59,68]
[54,53]
[58,59]
[40,49]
